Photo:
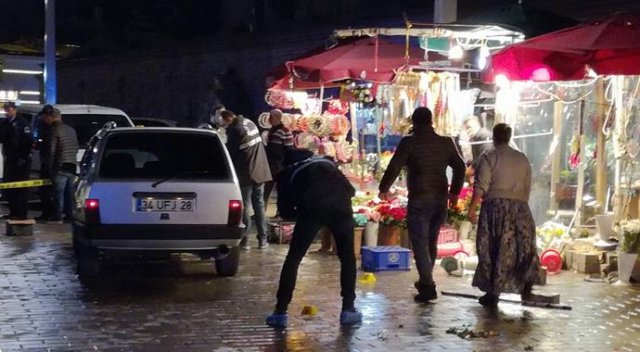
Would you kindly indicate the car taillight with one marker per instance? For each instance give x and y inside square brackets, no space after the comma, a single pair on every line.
[235,212]
[92,211]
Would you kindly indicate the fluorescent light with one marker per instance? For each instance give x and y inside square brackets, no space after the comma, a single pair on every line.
[22,72]
[482,57]
[30,102]
[29,92]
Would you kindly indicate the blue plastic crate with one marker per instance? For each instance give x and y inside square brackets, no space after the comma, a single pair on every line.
[385,258]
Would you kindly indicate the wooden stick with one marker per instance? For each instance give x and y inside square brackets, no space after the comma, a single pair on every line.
[524,303]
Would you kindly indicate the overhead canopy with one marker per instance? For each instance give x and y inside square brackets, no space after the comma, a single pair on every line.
[531,21]
[290,82]
[609,47]
[371,59]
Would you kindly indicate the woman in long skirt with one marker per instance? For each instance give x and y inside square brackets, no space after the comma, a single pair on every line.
[506,236]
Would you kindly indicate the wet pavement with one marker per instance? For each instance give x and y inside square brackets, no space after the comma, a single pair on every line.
[184,306]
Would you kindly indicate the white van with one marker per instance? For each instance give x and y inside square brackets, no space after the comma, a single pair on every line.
[85,119]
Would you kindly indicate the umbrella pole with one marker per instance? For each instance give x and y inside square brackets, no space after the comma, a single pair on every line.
[581,163]
[321,97]
[618,99]
[375,59]
[601,154]
[557,156]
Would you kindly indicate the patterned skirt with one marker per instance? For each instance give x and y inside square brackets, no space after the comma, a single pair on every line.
[506,245]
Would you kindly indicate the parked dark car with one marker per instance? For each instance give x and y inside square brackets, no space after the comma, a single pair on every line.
[153,122]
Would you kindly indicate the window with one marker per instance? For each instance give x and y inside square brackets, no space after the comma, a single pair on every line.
[158,155]
[86,125]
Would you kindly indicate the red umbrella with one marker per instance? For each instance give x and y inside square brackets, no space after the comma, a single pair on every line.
[371,59]
[609,46]
[290,82]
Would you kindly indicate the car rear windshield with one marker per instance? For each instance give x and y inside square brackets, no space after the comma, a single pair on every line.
[160,155]
[86,125]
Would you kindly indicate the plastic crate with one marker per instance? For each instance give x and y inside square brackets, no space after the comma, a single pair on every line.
[280,232]
[447,235]
[385,258]
[449,249]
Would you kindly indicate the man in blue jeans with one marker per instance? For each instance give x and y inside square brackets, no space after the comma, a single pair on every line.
[426,156]
[62,149]
[314,192]
[252,169]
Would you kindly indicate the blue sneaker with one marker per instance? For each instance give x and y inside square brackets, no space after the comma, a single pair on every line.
[350,317]
[277,320]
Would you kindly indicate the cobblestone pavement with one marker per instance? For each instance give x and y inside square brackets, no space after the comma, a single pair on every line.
[184,306]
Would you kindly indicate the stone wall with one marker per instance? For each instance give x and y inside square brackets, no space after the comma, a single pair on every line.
[183,82]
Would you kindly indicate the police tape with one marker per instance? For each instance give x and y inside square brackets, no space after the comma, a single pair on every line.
[24,184]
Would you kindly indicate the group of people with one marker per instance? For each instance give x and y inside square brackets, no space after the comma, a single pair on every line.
[314,192]
[255,164]
[58,151]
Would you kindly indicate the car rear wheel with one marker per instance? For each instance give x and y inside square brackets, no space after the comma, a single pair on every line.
[228,266]
[88,260]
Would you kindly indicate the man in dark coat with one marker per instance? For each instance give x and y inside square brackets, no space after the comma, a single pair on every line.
[426,155]
[62,148]
[279,140]
[45,192]
[252,169]
[314,191]
[16,139]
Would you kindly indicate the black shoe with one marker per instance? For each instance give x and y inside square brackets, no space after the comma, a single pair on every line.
[489,300]
[526,294]
[426,293]
[54,220]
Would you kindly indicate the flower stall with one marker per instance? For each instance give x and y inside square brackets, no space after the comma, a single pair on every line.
[577,110]
[353,102]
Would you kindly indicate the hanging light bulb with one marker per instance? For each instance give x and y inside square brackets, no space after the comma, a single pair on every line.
[482,57]
[456,53]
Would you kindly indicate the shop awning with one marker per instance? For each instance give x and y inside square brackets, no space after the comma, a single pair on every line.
[290,82]
[370,59]
[609,47]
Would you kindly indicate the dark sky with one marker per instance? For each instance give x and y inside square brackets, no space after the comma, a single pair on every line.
[80,21]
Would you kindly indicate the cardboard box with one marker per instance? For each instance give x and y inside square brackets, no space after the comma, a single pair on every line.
[20,227]
[587,263]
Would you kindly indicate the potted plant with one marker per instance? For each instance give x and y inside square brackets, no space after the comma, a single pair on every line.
[393,219]
[629,232]
[565,190]
[359,221]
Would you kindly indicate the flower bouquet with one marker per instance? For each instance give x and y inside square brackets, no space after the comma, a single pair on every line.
[549,235]
[629,250]
[630,236]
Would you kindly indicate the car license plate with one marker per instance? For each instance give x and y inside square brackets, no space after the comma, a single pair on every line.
[165,205]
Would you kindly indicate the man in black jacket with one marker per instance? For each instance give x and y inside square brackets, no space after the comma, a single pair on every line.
[426,155]
[314,191]
[16,139]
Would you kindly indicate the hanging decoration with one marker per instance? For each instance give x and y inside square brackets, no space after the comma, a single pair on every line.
[358,92]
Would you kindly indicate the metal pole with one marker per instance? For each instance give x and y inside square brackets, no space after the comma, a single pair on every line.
[50,82]
[581,166]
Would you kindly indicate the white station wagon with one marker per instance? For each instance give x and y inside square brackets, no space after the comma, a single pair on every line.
[160,191]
